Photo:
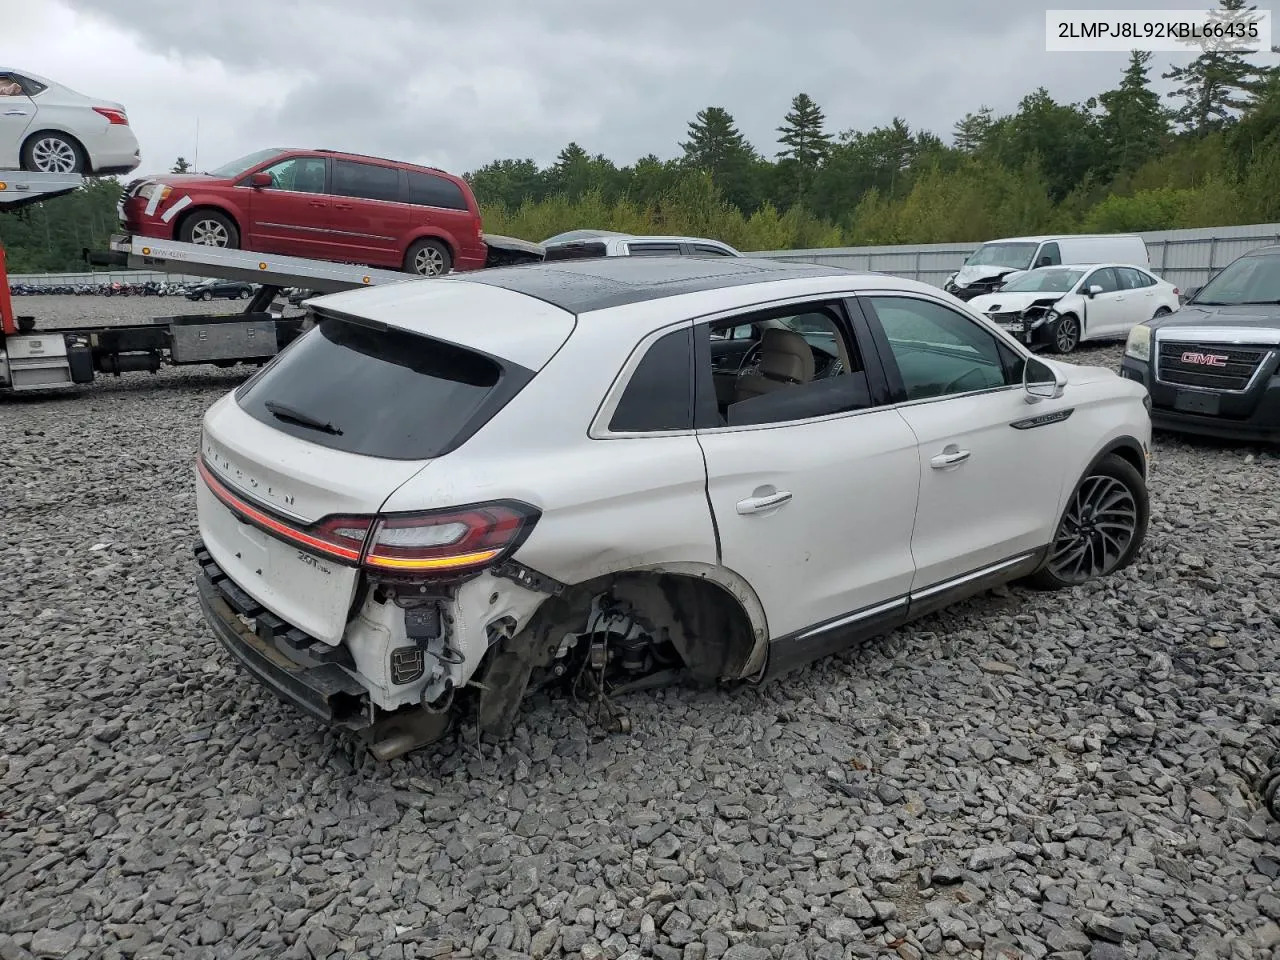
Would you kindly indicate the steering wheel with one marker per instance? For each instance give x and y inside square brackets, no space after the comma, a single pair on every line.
[749,359]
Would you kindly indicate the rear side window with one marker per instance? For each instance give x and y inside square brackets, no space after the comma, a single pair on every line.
[706,250]
[427,190]
[380,393]
[576,251]
[654,249]
[367,181]
[659,395]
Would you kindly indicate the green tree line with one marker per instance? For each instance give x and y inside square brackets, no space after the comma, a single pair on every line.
[1208,154]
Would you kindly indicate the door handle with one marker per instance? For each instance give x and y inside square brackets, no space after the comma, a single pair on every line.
[342,206]
[949,458]
[317,203]
[760,504]
[15,113]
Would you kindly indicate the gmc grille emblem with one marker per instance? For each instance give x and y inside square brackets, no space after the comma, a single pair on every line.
[1205,359]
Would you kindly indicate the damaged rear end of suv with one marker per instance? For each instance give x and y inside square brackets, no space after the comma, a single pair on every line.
[366,613]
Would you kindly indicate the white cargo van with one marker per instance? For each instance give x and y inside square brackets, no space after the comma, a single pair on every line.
[999,260]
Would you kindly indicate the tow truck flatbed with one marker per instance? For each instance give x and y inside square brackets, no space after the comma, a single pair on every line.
[20,188]
[33,359]
[200,260]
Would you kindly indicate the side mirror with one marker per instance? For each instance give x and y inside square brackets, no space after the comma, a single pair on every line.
[260,180]
[1042,382]
[1044,261]
[1094,289]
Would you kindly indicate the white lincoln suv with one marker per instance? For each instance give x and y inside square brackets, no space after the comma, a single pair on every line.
[613,472]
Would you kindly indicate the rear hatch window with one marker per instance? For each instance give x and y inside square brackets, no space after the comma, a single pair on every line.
[576,251]
[380,392]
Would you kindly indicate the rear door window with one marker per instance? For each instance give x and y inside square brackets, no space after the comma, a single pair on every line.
[707,250]
[366,181]
[380,393]
[428,190]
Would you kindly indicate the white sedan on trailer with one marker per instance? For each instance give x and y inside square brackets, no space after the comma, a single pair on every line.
[597,486]
[1061,307]
[48,128]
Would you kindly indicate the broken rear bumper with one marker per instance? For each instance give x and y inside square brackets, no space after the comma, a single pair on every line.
[280,657]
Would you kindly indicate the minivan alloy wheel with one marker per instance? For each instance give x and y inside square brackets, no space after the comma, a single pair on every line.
[210,233]
[53,155]
[1096,531]
[429,262]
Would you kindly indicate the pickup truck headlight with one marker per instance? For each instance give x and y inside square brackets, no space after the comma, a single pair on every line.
[1138,346]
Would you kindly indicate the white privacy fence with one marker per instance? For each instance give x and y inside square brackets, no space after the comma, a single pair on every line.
[1185,258]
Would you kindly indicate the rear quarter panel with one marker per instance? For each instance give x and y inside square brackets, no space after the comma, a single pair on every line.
[607,505]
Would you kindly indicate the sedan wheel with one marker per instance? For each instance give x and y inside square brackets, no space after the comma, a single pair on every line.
[52,153]
[1102,528]
[1066,336]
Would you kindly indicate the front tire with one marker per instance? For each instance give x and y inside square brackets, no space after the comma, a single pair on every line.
[211,229]
[1066,334]
[50,152]
[1102,528]
[428,258]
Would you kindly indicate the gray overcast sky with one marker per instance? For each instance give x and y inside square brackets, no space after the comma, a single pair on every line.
[457,85]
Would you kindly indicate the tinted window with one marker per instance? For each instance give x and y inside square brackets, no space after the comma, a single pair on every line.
[409,397]
[426,190]
[1105,278]
[365,180]
[659,395]
[654,249]
[301,174]
[575,251]
[705,250]
[939,351]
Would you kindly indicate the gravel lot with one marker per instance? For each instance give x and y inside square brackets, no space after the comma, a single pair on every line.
[1026,775]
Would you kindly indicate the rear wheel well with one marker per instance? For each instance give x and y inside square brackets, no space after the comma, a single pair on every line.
[708,627]
[435,238]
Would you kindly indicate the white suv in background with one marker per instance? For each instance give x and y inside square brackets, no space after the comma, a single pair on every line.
[606,471]
[580,244]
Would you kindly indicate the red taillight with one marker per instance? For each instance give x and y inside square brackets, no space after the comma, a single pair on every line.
[113,115]
[443,541]
[1177,292]
[447,540]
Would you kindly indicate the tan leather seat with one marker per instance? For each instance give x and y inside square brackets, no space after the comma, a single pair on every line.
[786,359]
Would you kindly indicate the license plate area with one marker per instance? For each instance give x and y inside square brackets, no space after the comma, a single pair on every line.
[1017,326]
[306,591]
[1189,401]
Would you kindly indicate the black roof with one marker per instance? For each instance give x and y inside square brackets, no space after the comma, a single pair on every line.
[580,286]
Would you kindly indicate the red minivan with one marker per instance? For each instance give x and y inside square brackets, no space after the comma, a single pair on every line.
[319,204]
